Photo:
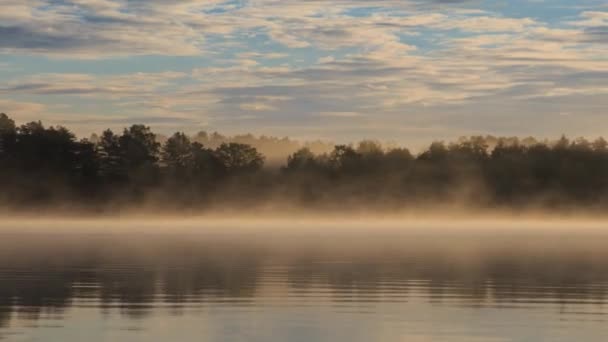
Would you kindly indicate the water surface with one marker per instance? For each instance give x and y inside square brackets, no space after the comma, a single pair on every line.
[277,283]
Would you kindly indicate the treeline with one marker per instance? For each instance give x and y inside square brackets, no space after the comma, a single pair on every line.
[42,166]
[274,149]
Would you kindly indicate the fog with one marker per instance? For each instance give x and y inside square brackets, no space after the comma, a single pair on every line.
[277,226]
[467,245]
[139,268]
[48,171]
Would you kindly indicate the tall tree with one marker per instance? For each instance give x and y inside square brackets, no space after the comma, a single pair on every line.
[139,146]
[8,133]
[301,160]
[111,158]
[238,158]
[177,152]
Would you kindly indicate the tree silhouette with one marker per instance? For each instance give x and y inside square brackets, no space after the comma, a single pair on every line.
[177,153]
[139,146]
[113,166]
[206,165]
[139,150]
[237,158]
[303,159]
[8,134]
[48,166]
[189,162]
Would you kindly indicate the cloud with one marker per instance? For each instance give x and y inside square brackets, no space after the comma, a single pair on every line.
[102,28]
[316,66]
[24,111]
[340,114]
[85,84]
[91,29]
[489,24]
[596,34]
[11,106]
[16,37]
[257,106]
[591,19]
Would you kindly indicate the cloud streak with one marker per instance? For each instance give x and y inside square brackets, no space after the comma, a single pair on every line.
[346,66]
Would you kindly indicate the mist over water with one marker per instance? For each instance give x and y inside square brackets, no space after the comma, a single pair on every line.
[303,280]
[48,169]
[303,170]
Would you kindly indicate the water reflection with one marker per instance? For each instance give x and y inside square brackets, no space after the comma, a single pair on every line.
[45,277]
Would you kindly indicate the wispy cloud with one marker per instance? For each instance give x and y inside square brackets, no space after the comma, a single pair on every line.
[331,66]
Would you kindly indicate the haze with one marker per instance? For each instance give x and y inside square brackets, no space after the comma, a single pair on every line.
[303,170]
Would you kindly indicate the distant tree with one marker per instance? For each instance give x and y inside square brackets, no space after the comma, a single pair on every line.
[529,141]
[41,164]
[600,145]
[33,128]
[139,146]
[206,165]
[93,139]
[581,145]
[239,158]
[187,161]
[370,148]
[177,152]
[508,172]
[476,147]
[8,134]
[52,149]
[302,159]
[140,151]
[398,159]
[562,143]
[344,159]
[7,125]
[111,158]
[436,152]
[88,168]
[202,138]
[52,164]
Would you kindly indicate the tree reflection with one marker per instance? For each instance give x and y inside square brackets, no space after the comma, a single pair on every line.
[41,278]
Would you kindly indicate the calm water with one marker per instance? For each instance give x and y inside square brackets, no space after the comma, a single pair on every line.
[278,285]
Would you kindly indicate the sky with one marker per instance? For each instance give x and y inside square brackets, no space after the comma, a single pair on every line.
[406,71]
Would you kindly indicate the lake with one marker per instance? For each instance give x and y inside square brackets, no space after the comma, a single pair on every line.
[303,281]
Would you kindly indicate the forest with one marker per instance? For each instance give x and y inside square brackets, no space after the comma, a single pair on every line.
[46,167]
